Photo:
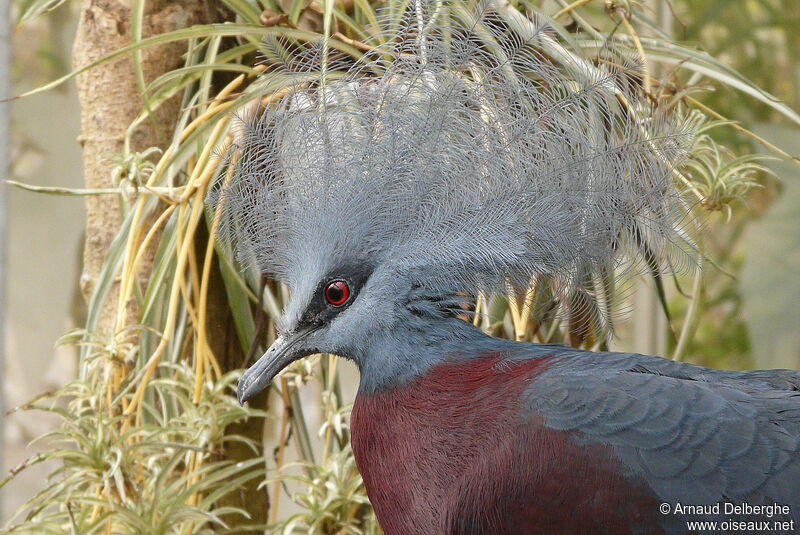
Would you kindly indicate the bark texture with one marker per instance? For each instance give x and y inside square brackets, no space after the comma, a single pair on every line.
[110,100]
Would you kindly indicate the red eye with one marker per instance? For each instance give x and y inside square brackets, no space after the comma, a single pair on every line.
[337,293]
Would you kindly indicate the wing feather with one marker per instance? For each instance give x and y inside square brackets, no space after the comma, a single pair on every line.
[695,435]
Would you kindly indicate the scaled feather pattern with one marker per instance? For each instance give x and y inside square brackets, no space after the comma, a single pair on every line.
[462,155]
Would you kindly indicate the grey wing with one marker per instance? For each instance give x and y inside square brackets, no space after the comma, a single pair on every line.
[721,437]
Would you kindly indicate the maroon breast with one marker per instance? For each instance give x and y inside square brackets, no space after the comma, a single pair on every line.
[455,452]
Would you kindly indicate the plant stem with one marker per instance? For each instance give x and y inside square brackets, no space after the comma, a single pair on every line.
[693,314]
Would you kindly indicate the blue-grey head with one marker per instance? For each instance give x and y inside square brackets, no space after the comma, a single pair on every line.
[458,159]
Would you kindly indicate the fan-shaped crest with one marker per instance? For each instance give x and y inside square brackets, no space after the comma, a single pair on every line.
[460,153]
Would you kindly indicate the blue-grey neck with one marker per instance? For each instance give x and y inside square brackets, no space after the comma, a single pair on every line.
[395,357]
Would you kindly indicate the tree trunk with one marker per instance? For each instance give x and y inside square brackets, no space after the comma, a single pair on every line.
[110,101]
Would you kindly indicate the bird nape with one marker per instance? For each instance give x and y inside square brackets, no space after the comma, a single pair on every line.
[471,154]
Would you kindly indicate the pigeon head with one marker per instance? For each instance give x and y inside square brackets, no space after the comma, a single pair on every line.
[388,192]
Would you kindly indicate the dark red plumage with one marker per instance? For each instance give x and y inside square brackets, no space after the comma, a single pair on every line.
[455,451]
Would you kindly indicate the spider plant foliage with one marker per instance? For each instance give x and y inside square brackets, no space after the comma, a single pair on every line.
[139,479]
[148,429]
[721,176]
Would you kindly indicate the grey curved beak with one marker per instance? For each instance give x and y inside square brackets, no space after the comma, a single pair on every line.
[280,354]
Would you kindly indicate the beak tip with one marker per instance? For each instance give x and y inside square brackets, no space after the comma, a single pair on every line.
[241,393]
[260,375]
